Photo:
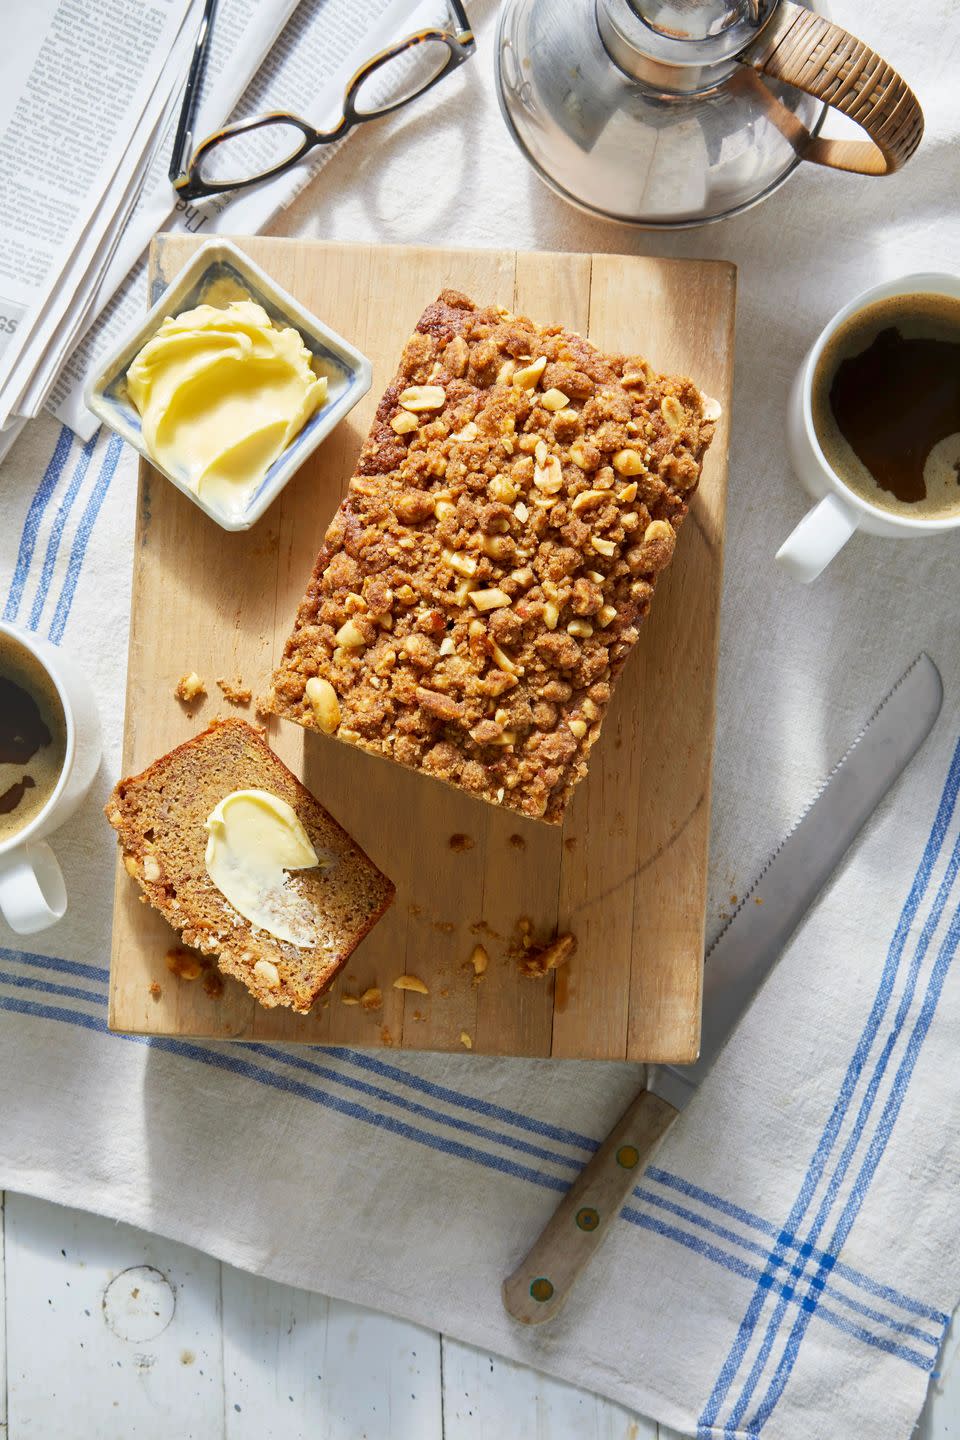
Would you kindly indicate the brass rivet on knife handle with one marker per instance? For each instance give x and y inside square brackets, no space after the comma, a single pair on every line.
[541,1283]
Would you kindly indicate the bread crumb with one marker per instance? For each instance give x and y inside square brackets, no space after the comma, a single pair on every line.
[235,691]
[465,1040]
[446,927]
[534,965]
[518,842]
[570,843]
[189,687]
[154,989]
[459,843]
[349,1000]
[385,1037]
[213,984]
[372,999]
[410,982]
[183,964]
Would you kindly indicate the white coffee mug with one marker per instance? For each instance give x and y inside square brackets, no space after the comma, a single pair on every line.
[826,528]
[32,892]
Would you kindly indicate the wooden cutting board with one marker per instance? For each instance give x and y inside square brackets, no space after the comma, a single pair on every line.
[627,872]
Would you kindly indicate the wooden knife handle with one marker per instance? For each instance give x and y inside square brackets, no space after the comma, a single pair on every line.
[541,1283]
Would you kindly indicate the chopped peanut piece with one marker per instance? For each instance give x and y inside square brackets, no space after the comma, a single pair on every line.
[527,378]
[350,636]
[410,982]
[479,959]
[490,599]
[189,687]
[423,397]
[465,1040]
[268,974]
[324,702]
[628,462]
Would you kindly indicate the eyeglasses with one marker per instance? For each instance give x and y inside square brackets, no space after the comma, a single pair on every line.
[235,157]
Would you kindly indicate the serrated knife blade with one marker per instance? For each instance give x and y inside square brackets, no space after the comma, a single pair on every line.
[737,963]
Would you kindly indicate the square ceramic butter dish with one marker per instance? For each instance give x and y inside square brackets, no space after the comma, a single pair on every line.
[216,274]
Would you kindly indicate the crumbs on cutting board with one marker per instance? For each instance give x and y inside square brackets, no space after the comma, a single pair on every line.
[183,963]
[459,843]
[154,990]
[189,688]
[535,961]
[518,842]
[235,691]
[213,984]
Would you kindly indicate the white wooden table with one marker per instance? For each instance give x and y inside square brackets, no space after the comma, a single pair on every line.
[107,1333]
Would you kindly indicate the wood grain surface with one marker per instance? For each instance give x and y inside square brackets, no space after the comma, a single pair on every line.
[627,871]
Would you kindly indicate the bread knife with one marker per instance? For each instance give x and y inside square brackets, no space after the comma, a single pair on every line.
[740,959]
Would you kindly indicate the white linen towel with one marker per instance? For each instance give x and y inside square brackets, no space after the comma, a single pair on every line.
[788,1264]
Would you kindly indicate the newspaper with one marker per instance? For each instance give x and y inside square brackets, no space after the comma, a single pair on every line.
[81,93]
[264,55]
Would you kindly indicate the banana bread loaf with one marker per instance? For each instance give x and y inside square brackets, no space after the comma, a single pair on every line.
[482,582]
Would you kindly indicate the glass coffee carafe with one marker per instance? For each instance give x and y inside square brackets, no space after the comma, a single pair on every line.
[677,112]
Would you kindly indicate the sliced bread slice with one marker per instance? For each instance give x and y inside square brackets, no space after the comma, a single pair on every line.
[160,817]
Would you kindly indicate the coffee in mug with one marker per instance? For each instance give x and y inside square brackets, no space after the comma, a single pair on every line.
[885,403]
[33,737]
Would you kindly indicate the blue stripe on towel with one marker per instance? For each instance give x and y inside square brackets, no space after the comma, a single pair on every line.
[57,529]
[766,1227]
[469,1102]
[921,880]
[377,1092]
[81,539]
[705,1248]
[53,962]
[868,1169]
[234,1064]
[681,1212]
[453,1097]
[31,525]
[745,1270]
[853,1141]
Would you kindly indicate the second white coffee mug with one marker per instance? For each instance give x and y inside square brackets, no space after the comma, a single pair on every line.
[32,892]
[840,511]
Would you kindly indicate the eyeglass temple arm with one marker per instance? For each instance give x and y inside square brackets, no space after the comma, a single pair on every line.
[183,139]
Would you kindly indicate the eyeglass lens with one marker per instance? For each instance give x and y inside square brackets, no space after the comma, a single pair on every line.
[401,77]
[237,158]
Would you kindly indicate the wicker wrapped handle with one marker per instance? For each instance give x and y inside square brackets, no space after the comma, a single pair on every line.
[807,51]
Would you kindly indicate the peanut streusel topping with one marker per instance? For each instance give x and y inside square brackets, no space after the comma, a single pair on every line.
[481,583]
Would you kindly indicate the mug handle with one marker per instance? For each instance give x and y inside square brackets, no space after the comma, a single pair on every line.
[808,51]
[822,532]
[32,893]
